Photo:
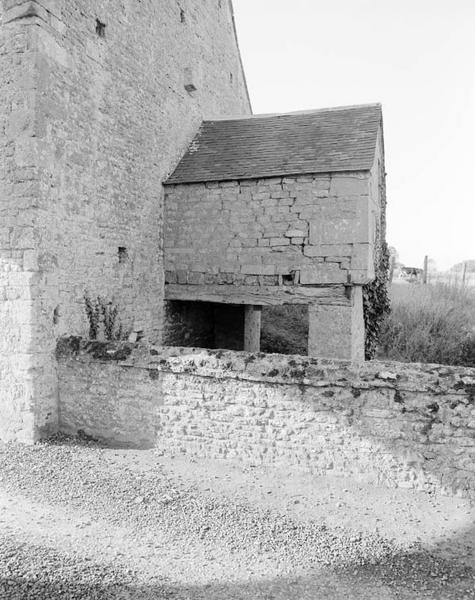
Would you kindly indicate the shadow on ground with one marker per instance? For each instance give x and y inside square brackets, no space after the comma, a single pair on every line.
[33,572]
[29,571]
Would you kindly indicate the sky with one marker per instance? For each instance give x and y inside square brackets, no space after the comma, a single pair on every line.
[415,57]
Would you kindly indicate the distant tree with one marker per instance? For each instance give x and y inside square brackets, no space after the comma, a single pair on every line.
[393,253]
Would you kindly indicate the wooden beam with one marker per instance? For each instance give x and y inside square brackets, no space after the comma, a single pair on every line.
[258,295]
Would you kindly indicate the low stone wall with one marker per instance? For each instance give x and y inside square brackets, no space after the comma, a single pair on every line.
[388,423]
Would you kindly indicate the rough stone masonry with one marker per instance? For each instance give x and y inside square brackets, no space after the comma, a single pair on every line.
[98,100]
[385,423]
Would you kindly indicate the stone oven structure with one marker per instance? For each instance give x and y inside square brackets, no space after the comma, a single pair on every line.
[281,209]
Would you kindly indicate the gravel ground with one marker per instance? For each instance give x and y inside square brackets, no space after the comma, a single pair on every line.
[78,521]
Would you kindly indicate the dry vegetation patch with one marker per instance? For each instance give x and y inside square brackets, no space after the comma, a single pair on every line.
[430,324]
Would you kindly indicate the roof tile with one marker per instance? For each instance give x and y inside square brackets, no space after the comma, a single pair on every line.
[321,141]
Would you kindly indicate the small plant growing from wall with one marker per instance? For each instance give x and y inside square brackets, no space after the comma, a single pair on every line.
[93,315]
[104,315]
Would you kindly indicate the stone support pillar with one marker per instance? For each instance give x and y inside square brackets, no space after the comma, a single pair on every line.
[337,331]
[252,328]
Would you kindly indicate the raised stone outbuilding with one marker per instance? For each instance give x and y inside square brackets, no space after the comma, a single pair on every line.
[280,209]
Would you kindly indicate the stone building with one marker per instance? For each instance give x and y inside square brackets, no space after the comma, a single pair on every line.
[99,100]
[283,209]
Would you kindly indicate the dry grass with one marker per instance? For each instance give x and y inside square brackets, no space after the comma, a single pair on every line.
[430,324]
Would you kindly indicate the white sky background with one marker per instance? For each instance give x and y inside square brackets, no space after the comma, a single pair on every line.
[416,57]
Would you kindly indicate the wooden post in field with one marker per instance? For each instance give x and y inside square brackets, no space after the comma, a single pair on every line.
[464,273]
[424,275]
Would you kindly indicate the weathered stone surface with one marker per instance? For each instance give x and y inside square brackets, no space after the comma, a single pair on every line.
[90,126]
[337,331]
[349,185]
[401,425]
[278,222]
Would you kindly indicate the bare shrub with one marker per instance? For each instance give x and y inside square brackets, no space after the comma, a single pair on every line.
[103,315]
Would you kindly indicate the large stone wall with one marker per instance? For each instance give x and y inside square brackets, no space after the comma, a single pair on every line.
[113,117]
[307,239]
[307,229]
[391,424]
[90,125]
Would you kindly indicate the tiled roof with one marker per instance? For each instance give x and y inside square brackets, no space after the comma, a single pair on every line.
[321,141]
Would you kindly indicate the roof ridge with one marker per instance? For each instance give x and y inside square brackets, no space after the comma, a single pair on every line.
[293,113]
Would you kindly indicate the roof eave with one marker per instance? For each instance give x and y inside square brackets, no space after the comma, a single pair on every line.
[170,180]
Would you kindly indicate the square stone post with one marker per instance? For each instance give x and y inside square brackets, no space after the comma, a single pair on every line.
[337,331]
[252,328]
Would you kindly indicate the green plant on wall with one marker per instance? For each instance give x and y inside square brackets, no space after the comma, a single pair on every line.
[376,303]
[93,315]
[104,314]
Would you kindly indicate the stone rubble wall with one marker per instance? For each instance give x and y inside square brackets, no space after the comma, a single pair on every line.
[307,229]
[400,425]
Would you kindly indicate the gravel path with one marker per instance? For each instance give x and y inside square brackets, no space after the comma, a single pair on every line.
[78,521]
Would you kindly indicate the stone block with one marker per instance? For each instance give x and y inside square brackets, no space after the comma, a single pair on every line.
[30,260]
[21,122]
[322,273]
[228,184]
[265,198]
[360,277]
[277,241]
[347,185]
[362,264]
[22,238]
[279,194]
[258,269]
[337,331]
[340,230]
[182,276]
[195,278]
[291,233]
[170,277]
[361,256]
[312,251]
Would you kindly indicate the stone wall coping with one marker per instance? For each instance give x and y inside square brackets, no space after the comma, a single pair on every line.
[274,368]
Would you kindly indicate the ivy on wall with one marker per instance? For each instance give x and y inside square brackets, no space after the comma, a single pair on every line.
[376,304]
